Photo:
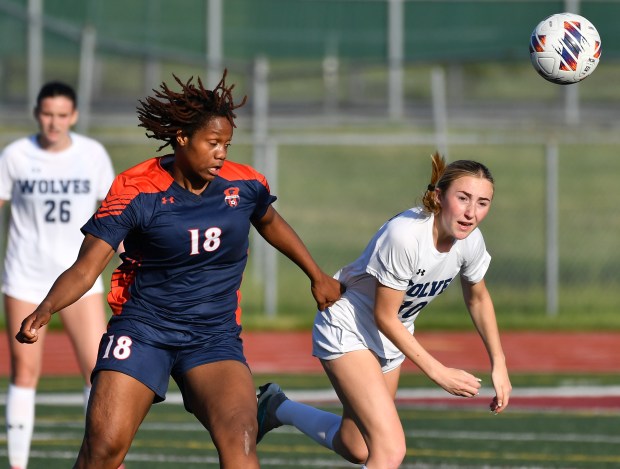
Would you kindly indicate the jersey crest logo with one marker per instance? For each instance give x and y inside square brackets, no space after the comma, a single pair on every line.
[231,196]
[167,200]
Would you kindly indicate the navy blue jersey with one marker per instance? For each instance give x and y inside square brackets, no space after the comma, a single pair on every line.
[184,253]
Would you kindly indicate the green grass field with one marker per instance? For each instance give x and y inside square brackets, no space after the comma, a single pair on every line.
[454,437]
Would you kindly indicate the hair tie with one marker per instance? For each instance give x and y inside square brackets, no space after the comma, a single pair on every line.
[431,187]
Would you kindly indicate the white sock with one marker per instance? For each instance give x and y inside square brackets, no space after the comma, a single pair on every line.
[86,397]
[19,423]
[318,424]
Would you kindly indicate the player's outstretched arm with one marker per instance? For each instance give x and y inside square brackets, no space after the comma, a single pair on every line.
[69,287]
[480,307]
[455,381]
[277,232]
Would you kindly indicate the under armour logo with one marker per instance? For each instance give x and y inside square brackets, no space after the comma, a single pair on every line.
[165,200]
[420,272]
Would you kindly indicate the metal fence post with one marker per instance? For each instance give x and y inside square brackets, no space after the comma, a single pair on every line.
[440,112]
[215,25]
[35,51]
[87,72]
[571,93]
[264,257]
[552,255]
[396,48]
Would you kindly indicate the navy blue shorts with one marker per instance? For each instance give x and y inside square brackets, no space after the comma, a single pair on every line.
[126,348]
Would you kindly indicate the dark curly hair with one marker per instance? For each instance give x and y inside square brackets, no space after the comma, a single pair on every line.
[164,114]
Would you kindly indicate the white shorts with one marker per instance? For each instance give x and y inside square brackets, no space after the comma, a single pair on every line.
[331,341]
[35,294]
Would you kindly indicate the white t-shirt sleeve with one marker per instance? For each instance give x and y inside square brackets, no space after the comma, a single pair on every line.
[392,260]
[476,258]
[6,181]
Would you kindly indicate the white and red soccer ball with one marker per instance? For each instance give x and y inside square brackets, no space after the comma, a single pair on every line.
[565,48]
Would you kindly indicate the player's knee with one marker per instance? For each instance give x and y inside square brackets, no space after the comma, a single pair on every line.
[391,453]
[395,459]
[103,447]
[239,429]
[385,449]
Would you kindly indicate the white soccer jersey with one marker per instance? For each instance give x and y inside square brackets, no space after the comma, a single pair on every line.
[402,256]
[52,195]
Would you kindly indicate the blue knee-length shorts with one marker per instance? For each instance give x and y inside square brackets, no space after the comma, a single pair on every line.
[145,353]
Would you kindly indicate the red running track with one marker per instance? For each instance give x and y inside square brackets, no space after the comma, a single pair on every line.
[290,352]
[535,352]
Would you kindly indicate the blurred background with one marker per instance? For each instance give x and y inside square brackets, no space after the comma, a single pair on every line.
[347,99]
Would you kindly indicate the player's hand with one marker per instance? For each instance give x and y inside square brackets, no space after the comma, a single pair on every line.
[503,388]
[326,291]
[458,382]
[29,330]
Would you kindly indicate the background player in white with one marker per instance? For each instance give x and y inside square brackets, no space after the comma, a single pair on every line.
[53,180]
[364,337]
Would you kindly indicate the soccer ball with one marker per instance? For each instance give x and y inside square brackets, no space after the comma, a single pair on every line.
[565,48]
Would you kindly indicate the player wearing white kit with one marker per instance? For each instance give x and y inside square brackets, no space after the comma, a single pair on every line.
[53,180]
[365,336]
[401,256]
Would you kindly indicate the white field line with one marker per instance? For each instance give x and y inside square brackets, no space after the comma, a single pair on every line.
[213,461]
[418,433]
[328,396]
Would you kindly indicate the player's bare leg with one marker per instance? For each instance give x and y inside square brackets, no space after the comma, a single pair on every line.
[226,406]
[371,430]
[84,322]
[26,359]
[117,407]
[26,362]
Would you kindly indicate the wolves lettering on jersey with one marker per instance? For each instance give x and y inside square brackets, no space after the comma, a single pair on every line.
[423,290]
[52,186]
[184,253]
[417,291]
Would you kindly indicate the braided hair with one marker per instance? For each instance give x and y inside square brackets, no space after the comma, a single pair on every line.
[164,114]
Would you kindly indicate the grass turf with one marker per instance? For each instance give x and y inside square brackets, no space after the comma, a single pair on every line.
[436,437]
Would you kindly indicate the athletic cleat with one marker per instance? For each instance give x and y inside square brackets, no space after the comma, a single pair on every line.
[269,398]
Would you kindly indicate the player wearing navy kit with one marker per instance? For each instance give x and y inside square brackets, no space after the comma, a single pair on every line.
[192,264]
[184,220]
